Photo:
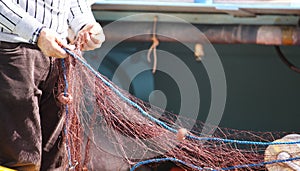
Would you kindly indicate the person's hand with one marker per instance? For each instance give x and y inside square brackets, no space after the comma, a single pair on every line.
[91,36]
[51,45]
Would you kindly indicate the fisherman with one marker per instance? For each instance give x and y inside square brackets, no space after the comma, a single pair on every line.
[32,34]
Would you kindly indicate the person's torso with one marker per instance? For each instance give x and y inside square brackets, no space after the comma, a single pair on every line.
[52,13]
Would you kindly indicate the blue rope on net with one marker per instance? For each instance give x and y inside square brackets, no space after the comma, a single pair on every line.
[261,164]
[251,165]
[67,113]
[189,136]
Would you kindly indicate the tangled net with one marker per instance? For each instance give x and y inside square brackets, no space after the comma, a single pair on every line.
[110,119]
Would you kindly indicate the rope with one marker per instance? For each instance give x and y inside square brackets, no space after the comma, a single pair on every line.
[158,160]
[261,164]
[67,112]
[240,141]
[285,60]
[155,43]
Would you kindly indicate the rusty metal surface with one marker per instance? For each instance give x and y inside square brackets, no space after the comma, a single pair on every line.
[222,34]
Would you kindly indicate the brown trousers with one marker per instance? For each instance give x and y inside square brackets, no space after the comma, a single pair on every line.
[28,109]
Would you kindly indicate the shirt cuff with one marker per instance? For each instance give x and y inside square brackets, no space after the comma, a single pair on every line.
[28,27]
[35,35]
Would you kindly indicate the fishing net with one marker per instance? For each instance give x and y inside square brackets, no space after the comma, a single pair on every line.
[104,119]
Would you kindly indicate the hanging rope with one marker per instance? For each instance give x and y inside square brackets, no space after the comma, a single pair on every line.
[285,60]
[153,46]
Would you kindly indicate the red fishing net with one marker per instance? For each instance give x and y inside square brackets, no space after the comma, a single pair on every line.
[102,118]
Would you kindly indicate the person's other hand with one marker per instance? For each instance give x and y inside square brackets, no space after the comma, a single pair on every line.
[91,36]
[50,45]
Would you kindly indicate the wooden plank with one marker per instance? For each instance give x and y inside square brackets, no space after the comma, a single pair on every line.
[274,11]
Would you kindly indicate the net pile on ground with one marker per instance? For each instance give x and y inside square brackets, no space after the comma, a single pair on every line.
[111,120]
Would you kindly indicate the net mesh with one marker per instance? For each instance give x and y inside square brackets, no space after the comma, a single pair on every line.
[99,119]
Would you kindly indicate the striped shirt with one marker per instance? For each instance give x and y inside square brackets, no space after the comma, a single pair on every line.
[21,19]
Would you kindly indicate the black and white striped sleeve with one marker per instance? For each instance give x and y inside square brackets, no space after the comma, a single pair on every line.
[80,15]
[15,19]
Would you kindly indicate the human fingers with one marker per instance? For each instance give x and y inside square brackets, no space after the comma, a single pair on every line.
[58,50]
[92,41]
[88,44]
[50,45]
[63,44]
[98,38]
